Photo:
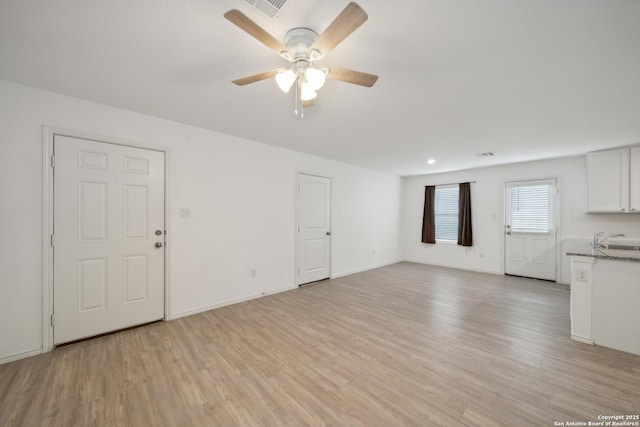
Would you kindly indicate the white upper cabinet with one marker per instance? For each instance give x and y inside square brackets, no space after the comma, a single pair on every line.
[613,180]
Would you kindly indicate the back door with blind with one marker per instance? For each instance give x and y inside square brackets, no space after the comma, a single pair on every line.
[530,229]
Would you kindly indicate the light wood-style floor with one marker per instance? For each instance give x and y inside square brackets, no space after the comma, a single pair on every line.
[406,344]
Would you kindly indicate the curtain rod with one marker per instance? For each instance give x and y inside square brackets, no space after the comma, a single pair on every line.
[451,183]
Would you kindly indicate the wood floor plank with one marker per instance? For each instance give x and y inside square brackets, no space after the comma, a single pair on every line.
[406,344]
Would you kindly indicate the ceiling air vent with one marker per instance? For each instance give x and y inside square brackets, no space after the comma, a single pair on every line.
[269,7]
[487,154]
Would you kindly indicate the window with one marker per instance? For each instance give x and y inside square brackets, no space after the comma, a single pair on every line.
[530,209]
[446,213]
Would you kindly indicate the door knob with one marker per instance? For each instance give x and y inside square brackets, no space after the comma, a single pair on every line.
[158,244]
[328,233]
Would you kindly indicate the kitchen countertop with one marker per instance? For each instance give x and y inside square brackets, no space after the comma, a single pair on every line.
[585,249]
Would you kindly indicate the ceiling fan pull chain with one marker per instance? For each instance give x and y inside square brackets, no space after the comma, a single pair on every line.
[298,99]
[295,108]
[301,109]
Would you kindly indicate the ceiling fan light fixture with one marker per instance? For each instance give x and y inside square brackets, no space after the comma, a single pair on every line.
[314,55]
[285,79]
[306,92]
[315,78]
[286,55]
[303,48]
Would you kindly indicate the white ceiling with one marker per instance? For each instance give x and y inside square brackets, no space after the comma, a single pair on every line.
[526,79]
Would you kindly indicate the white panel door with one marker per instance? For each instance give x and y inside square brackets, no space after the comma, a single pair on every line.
[530,229]
[314,228]
[109,237]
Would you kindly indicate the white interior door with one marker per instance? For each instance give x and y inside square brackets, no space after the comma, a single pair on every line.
[530,229]
[109,237]
[314,228]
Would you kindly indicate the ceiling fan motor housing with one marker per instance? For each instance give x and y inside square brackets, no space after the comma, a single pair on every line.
[298,41]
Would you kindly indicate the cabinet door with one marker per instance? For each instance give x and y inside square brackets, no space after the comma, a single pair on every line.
[634,182]
[608,181]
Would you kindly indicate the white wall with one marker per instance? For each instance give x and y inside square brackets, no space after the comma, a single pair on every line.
[487,200]
[242,197]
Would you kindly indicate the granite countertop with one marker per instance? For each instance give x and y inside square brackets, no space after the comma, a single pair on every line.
[585,249]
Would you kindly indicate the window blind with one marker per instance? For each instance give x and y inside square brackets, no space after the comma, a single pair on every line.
[530,209]
[446,213]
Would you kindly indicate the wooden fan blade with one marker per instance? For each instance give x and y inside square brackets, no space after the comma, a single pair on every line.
[255,78]
[345,23]
[251,28]
[350,76]
[309,103]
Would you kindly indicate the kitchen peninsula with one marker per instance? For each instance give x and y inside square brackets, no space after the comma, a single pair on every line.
[605,297]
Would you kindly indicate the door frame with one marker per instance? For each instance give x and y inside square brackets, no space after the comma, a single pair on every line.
[297,223]
[558,252]
[48,134]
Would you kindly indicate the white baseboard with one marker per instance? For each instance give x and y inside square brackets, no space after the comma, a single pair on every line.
[18,356]
[456,267]
[226,303]
[335,276]
[250,297]
[582,340]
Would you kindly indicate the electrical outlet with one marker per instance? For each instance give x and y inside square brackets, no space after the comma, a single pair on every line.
[582,275]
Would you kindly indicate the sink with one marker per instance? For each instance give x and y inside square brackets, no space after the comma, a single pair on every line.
[619,246]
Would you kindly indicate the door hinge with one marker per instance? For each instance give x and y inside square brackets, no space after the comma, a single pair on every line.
[52,319]
[53,240]
[53,161]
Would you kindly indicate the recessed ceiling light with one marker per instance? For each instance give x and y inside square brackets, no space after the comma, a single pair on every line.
[431,161]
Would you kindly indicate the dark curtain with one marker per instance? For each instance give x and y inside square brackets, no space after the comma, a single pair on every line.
[429,216]
[465,233]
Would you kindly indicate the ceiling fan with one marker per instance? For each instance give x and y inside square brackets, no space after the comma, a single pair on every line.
[303,47]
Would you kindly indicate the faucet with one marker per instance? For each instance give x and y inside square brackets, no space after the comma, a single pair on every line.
[596,241]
